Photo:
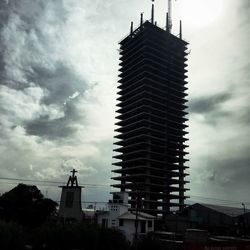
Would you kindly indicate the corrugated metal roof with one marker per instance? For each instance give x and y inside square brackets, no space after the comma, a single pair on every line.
[230,211]
[132,216]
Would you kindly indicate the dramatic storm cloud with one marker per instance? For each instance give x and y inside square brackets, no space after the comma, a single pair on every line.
[58,74]
[46,102]
[219,107]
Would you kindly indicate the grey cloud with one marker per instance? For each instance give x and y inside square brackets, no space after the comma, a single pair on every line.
[102,163]
[49,129]
[244,117]
[208,104]
[54,129]
[73,163]
[32,11]
[60,82]
[3,12]
[244,7]
[234,170]
[31,33]
[211,108]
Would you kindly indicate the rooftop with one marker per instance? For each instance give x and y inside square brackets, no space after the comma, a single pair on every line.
[230,211]
[132,216]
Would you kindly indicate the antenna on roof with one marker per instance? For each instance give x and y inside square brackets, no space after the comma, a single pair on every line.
[167,24]
[141,18]
[152,12]
[169,27]
[180,30]
[131,28]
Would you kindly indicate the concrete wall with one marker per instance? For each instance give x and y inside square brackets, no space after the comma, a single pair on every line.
[71,210]
[128,227]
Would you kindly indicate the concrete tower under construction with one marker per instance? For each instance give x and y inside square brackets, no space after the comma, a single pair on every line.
[150,146]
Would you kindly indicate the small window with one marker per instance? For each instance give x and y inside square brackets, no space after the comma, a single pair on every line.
[113,222]
[149,223]
[121,222]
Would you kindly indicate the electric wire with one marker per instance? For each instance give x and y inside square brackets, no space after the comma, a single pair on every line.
[49,183]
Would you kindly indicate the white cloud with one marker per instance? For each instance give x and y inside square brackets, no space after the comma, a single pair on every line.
[60,66]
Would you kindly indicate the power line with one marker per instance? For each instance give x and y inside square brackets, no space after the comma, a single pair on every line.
[87,202]
[94,185]
[51,182]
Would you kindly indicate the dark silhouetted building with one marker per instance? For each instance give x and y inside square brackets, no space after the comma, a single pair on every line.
[151,119]
[70,210]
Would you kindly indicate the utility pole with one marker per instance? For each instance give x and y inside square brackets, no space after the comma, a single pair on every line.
[138,207]
[244,208]
[136,216]
[244,218]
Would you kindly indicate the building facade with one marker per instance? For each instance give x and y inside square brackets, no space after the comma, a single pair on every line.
[119,217]
[70,209]
[151,147]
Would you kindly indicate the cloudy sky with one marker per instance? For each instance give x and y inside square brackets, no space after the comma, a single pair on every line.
[58,77]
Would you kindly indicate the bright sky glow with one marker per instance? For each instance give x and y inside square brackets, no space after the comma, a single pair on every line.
[201,13]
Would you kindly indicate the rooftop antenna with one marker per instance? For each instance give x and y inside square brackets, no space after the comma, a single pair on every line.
[180,30]
[152,12]
[141,18]
[131,28]
[169,21]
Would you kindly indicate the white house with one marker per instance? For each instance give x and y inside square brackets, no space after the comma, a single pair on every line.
[118,216]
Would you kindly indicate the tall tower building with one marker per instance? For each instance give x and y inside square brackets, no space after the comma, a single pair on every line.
[151,145]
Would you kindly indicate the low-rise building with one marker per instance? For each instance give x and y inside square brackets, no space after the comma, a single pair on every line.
[118,216]
[216,219]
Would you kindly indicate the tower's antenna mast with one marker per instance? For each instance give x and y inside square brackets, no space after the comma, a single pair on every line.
[169,21]
[152,12]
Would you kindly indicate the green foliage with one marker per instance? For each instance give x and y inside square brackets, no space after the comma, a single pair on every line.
[112,239]
[57,236]
[11,236]
[78,236]
[61,237]
[25,204]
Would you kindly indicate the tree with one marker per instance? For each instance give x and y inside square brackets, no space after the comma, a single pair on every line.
[25,204]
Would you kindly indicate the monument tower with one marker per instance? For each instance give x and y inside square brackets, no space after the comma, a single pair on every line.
[70,204]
